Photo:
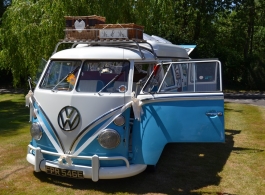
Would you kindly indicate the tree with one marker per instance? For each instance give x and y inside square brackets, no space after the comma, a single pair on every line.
[244,62]
[32,28]
[5,75]
[231,30]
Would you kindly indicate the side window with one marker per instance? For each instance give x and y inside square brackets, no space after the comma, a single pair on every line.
[140,76]
[169,79]
[189,76]
[162,79]
[204,76]
[174,78]
[204,72]
[178,76]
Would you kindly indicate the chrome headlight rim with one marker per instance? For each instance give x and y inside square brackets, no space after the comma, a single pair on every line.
[36,131]
[119,121]
[109,139]
[122,88]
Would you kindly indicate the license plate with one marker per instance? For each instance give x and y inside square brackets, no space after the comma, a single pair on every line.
[64,172]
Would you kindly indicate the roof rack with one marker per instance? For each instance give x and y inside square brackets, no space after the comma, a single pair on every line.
[123,43]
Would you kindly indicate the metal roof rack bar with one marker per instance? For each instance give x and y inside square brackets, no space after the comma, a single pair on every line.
[104,42]
[142,55]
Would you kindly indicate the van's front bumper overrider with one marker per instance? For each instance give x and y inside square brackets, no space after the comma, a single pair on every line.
[94,172]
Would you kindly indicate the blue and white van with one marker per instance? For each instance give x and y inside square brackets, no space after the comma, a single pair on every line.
[106,109]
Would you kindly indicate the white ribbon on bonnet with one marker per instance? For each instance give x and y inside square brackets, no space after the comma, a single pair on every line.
[137,107]
[28,102]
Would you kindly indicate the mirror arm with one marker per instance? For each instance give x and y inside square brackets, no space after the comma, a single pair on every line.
[29,81]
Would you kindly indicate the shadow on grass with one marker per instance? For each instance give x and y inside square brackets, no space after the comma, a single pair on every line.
[13,116]
[182,168]
[234,110]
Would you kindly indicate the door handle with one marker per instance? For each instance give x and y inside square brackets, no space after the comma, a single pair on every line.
[214,113]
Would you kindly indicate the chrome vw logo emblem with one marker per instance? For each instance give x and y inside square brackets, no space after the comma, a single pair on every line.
[68,118]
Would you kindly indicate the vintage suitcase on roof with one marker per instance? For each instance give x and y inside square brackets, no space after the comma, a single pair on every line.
[89,21]
[129,30]
[82,27]
[94,28]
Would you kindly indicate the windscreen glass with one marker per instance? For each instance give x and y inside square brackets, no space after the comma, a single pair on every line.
[61,75]
[104,76]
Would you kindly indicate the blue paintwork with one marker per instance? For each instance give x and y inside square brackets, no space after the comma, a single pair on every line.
[94,148]
[175,121]
[44,143]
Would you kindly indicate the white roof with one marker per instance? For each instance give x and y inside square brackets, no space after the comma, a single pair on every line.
[101,52]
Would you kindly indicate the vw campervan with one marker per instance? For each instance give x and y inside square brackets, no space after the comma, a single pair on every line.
[106,109]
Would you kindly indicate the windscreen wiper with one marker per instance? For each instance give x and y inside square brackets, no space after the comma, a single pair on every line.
[124,69]
[112,80]
[71,72]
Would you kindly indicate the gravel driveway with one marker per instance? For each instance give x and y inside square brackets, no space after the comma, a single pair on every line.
[257,99]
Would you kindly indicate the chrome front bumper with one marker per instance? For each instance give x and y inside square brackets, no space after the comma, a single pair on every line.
[94,172]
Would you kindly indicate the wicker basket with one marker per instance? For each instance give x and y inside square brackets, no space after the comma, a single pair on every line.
[86,34]
[90,21]
[93,20]
[134,31]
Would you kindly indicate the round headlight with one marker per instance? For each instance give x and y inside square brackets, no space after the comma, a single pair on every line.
[35,131]
[109,138]
[119,121]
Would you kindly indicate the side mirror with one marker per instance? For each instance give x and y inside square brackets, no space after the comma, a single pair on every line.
[30,81]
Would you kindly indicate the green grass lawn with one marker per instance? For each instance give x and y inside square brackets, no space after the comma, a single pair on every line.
[235,167]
